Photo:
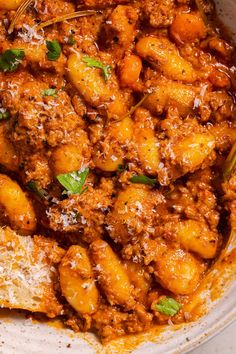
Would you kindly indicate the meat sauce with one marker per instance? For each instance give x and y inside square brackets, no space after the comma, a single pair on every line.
[115,127]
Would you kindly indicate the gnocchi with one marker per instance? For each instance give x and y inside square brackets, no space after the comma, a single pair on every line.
[17,207]
[77,281]
[113,280]
[92,86]
[164,53]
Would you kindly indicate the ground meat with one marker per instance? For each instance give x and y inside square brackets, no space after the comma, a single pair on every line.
[159,13]
[84,214]
[114,146]
[114,324]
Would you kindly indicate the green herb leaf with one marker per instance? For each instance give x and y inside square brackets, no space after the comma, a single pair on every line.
[4,114]
[54,50]
[73,182]
[33,187]
[93,63]
[49,92]
[122,168]
[168,306]
[141,179]
[230,164]
[71,40]
[11,59]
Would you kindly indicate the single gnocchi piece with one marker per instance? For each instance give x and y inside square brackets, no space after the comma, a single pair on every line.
[178,271]
[112,275]
[110,161]
[95,90]
[121,131]
[17,207]
[145,141]
[8,157]
[163,53]
[108,156]
[139,279]
[188,27]
[130,70]
[191,151]
[32,55]
[168,94]
[77,281]
[196,237]
[9,4]
[70,157]
[219,78]
[132,213]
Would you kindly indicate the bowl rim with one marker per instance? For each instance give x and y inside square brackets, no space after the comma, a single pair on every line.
[209,334]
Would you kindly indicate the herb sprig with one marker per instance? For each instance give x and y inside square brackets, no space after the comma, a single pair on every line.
[54,50]
[11,59]
[34,187]
[141,179]
[49,92]
[73,182]
[168,306]
[93,63]
[4,114]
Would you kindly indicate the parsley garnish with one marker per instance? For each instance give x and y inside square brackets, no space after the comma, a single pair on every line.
[34,187]
[93,63]
[49,92]
[141,179]
[54,50]
[11,59]
[73,182]
[168,306]
[4,114]
[71,40]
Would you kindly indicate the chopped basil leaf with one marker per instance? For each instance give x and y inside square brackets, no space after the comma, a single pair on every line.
[11,59]
[71,40]
[93,63]
[73,182]
[33,187]
[49,92]
[4,114]
[54,50]
[141,179]
[168,306]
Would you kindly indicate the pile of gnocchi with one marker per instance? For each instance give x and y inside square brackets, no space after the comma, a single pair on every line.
[117,164]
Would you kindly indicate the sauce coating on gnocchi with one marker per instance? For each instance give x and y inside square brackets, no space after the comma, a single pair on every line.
[117,119]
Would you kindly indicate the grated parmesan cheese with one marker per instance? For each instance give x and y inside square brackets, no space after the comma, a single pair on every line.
[30,35]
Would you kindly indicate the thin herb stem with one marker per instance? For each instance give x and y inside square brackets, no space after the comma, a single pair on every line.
[67,17]
[21,9]
[202,12]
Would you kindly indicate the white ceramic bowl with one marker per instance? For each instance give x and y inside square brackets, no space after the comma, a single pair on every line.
[20,336]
